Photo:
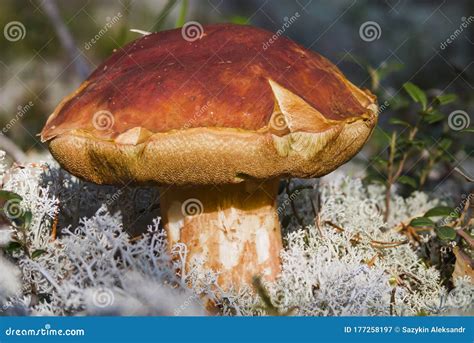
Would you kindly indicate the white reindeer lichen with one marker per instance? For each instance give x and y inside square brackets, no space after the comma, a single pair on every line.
[348,263]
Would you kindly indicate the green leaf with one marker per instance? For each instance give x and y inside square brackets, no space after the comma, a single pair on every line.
[433,117]
[38,253]
[395,121]
[420,143]
[13,246]
[386,69]
[468,130]
[446,98]
[163,15]
[421,222]
[379,160]
[182,13]
[7,195]
[416,94]
[445,143]
[446,233]
[407,180]
[239,20]
[27,217]
[441,211]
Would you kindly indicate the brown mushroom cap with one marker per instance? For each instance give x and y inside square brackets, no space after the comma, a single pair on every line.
[218,109]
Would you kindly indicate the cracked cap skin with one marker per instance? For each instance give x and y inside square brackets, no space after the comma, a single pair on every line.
[226,107]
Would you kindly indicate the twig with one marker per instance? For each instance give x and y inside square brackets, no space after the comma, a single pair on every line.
[466,237]
[65,37]
[337,227]
[163,15]
[467,177]
[392,176]
[54,228]
[392,300]
[373,243]
[12,149]
[385,245]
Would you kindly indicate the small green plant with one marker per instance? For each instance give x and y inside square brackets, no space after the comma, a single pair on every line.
[423,139]
[20,219]
[453,238]
[415,150]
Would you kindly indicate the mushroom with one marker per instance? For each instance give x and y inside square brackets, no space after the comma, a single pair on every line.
[215,121]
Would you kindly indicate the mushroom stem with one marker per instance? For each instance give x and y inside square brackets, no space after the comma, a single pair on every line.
[233,229]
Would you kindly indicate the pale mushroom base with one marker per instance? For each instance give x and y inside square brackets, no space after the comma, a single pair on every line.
[231,229]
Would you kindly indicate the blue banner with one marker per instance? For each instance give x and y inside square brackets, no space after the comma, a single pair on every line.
[231,329]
